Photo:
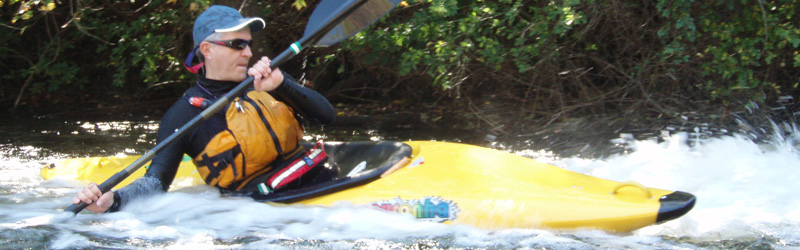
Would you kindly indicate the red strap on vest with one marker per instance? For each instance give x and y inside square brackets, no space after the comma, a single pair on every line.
[298,167]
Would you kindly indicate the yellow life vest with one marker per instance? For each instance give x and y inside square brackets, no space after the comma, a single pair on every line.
[259,131]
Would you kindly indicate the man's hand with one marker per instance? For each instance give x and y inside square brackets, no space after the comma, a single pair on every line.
[98,202]
[266,79]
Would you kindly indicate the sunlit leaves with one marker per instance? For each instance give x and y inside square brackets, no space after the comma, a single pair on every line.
[299,4]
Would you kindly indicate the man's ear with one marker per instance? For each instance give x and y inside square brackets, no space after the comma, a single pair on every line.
[205,49]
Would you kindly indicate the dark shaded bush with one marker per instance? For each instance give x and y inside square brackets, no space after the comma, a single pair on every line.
[537,61]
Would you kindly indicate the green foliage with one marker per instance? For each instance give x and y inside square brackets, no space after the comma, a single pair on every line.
[150,44]
[570,51]
[67,48]
[443,38]
[721,46]
[738,42]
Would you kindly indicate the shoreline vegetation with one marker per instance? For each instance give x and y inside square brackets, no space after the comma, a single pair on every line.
[508,69]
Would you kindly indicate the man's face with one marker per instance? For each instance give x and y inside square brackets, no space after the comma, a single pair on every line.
[227,64]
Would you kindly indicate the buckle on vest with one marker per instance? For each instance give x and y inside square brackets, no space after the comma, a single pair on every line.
[308,161]
[238,106]
[264,189]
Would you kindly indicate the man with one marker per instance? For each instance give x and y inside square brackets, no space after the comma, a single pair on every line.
[239,148]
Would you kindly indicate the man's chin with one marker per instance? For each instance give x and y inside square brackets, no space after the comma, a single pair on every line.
[233,79]
[240,71]
[239,76]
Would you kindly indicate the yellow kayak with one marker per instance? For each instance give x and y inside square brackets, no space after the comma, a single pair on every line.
[450,183]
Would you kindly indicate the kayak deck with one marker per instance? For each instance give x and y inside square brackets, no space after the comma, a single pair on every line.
[358,162]
[464,184]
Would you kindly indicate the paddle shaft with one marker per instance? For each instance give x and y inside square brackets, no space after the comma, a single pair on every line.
[222,102]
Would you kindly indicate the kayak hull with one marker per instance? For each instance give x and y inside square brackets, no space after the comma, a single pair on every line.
[461,184]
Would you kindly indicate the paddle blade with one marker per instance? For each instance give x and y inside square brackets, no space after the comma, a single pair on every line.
[365,15]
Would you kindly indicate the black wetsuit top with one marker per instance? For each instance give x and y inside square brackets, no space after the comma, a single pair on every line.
[310,105]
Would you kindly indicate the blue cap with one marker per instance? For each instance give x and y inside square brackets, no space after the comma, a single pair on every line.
[220,18]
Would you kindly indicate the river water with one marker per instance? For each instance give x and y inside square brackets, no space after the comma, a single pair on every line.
[746,192]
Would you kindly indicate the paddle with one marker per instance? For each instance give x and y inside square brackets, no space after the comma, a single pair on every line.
[331,22]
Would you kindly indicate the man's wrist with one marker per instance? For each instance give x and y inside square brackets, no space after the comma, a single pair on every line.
[115,206]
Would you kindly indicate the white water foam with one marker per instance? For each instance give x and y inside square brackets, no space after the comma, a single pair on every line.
[743,190]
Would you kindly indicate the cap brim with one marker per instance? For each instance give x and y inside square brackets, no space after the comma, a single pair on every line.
[255,24]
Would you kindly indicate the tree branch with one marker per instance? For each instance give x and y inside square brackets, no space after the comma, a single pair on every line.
[81,28]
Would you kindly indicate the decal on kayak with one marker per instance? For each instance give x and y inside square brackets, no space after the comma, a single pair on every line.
[357,170]
[416,162]
[430,208]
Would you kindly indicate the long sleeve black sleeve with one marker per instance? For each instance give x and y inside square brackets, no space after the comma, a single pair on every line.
[164,166]
[308,103]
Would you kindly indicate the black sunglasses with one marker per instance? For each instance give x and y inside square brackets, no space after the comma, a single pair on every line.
[237,44]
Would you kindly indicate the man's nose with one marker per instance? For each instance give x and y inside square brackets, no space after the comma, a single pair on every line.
[247,52]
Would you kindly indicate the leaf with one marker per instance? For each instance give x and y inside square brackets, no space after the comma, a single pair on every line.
[299,4]
[795,41]
[48,7]
[797,60]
